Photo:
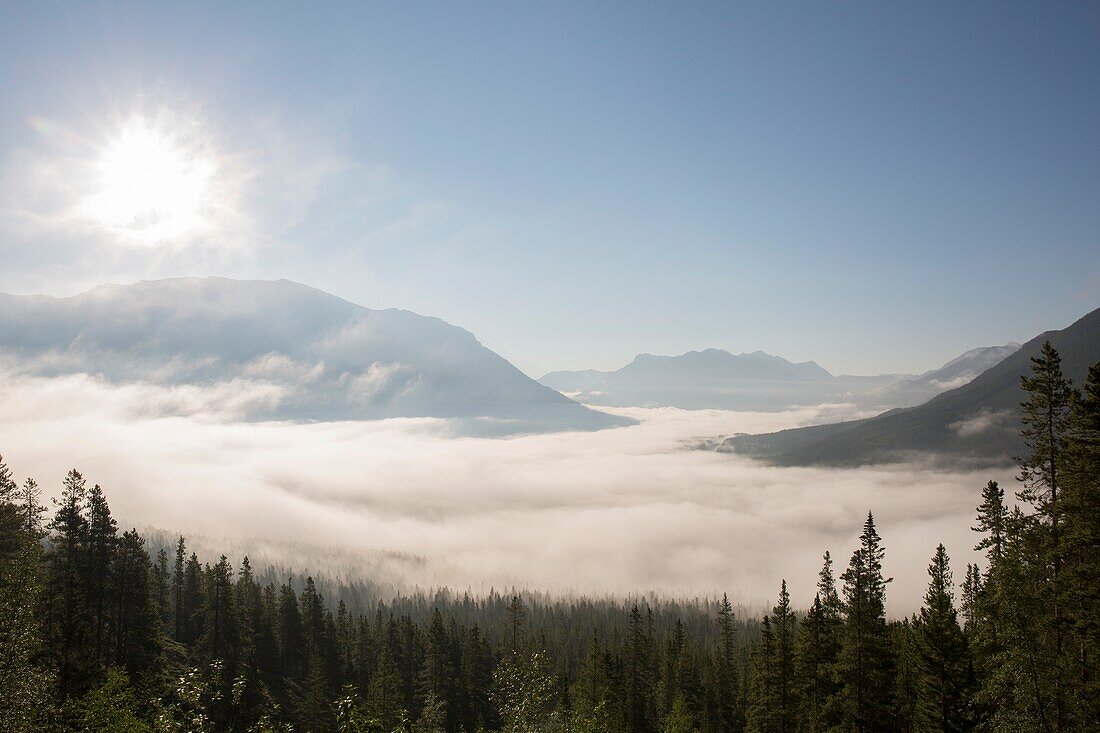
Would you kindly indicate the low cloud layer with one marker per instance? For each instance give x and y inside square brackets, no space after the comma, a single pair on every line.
[981,422]
[617,511]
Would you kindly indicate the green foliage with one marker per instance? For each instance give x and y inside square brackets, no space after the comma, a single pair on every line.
[112,707]
[523,692]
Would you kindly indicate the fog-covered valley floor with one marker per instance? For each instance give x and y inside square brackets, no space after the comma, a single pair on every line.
[625,510]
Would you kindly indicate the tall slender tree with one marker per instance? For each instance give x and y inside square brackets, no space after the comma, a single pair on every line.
[866,664]
[943,650]
[68,618]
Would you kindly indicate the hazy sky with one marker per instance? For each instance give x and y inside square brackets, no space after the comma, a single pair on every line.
[876,188]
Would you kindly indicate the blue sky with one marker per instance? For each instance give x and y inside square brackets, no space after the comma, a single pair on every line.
[874,186]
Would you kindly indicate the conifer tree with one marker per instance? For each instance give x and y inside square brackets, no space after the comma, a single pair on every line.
[761,708]
[31,508]
[438,674]
[98,555]
[517,615]
[730,712]
[136,622]
[971,590]
[640,691]
[817,652]
[191,610]
[23,683]
[178,591]
[219,635]
[865,666]
[783,670]
[910,712]
[477,677]
[943,651]
[291,634]
[993,522]
[161,581]
[69,620]
[385,696]
[1045,418]
[1080,550]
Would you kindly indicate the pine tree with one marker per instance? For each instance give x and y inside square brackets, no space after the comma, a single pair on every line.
[993,521]
[315,714]
[161,580]
[1079,550]
[477,677]
[817,653]
[136,621]
[385,696]
[761,709]
[178,619]
[68,617]
[517,616]
[23,683]
[640,690]
[98,555]
[438,674]
[971,591]
[783,672]
[191,610]
[1045,417]
[911,713]
[219,637]
[865,665]
[943,651]
[291,634]
[730,714]
[31,508]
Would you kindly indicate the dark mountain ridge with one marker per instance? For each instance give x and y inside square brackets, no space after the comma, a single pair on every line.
[977,422]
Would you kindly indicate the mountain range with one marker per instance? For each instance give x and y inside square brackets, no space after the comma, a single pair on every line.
[715,378]
[977,422]
[312,355]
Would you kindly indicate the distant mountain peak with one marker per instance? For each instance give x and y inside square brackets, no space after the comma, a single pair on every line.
[976,421]
[319,357]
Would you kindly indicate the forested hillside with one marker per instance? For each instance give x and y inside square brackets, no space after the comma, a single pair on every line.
[99,634]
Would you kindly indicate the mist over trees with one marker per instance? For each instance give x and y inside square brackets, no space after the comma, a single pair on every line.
[100,631]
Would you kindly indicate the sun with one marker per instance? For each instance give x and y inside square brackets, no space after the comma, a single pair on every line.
[149,186]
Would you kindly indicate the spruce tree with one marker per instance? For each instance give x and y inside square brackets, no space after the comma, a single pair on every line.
[219,635]
[762,698]
[943,651]
[730,713]
[865,666]
[98,555]
[783,669]
[385,696]
[31,508]
[993,522]
[136,621]
[438,675]
[23,682]
[68,617]
[178,620]
[817,653]
[1045,418]
[1080,550]
[640,690]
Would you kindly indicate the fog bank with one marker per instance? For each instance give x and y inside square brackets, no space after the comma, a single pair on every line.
[619,511]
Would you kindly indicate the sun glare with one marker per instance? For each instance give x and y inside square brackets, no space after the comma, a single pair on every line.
[149,187]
